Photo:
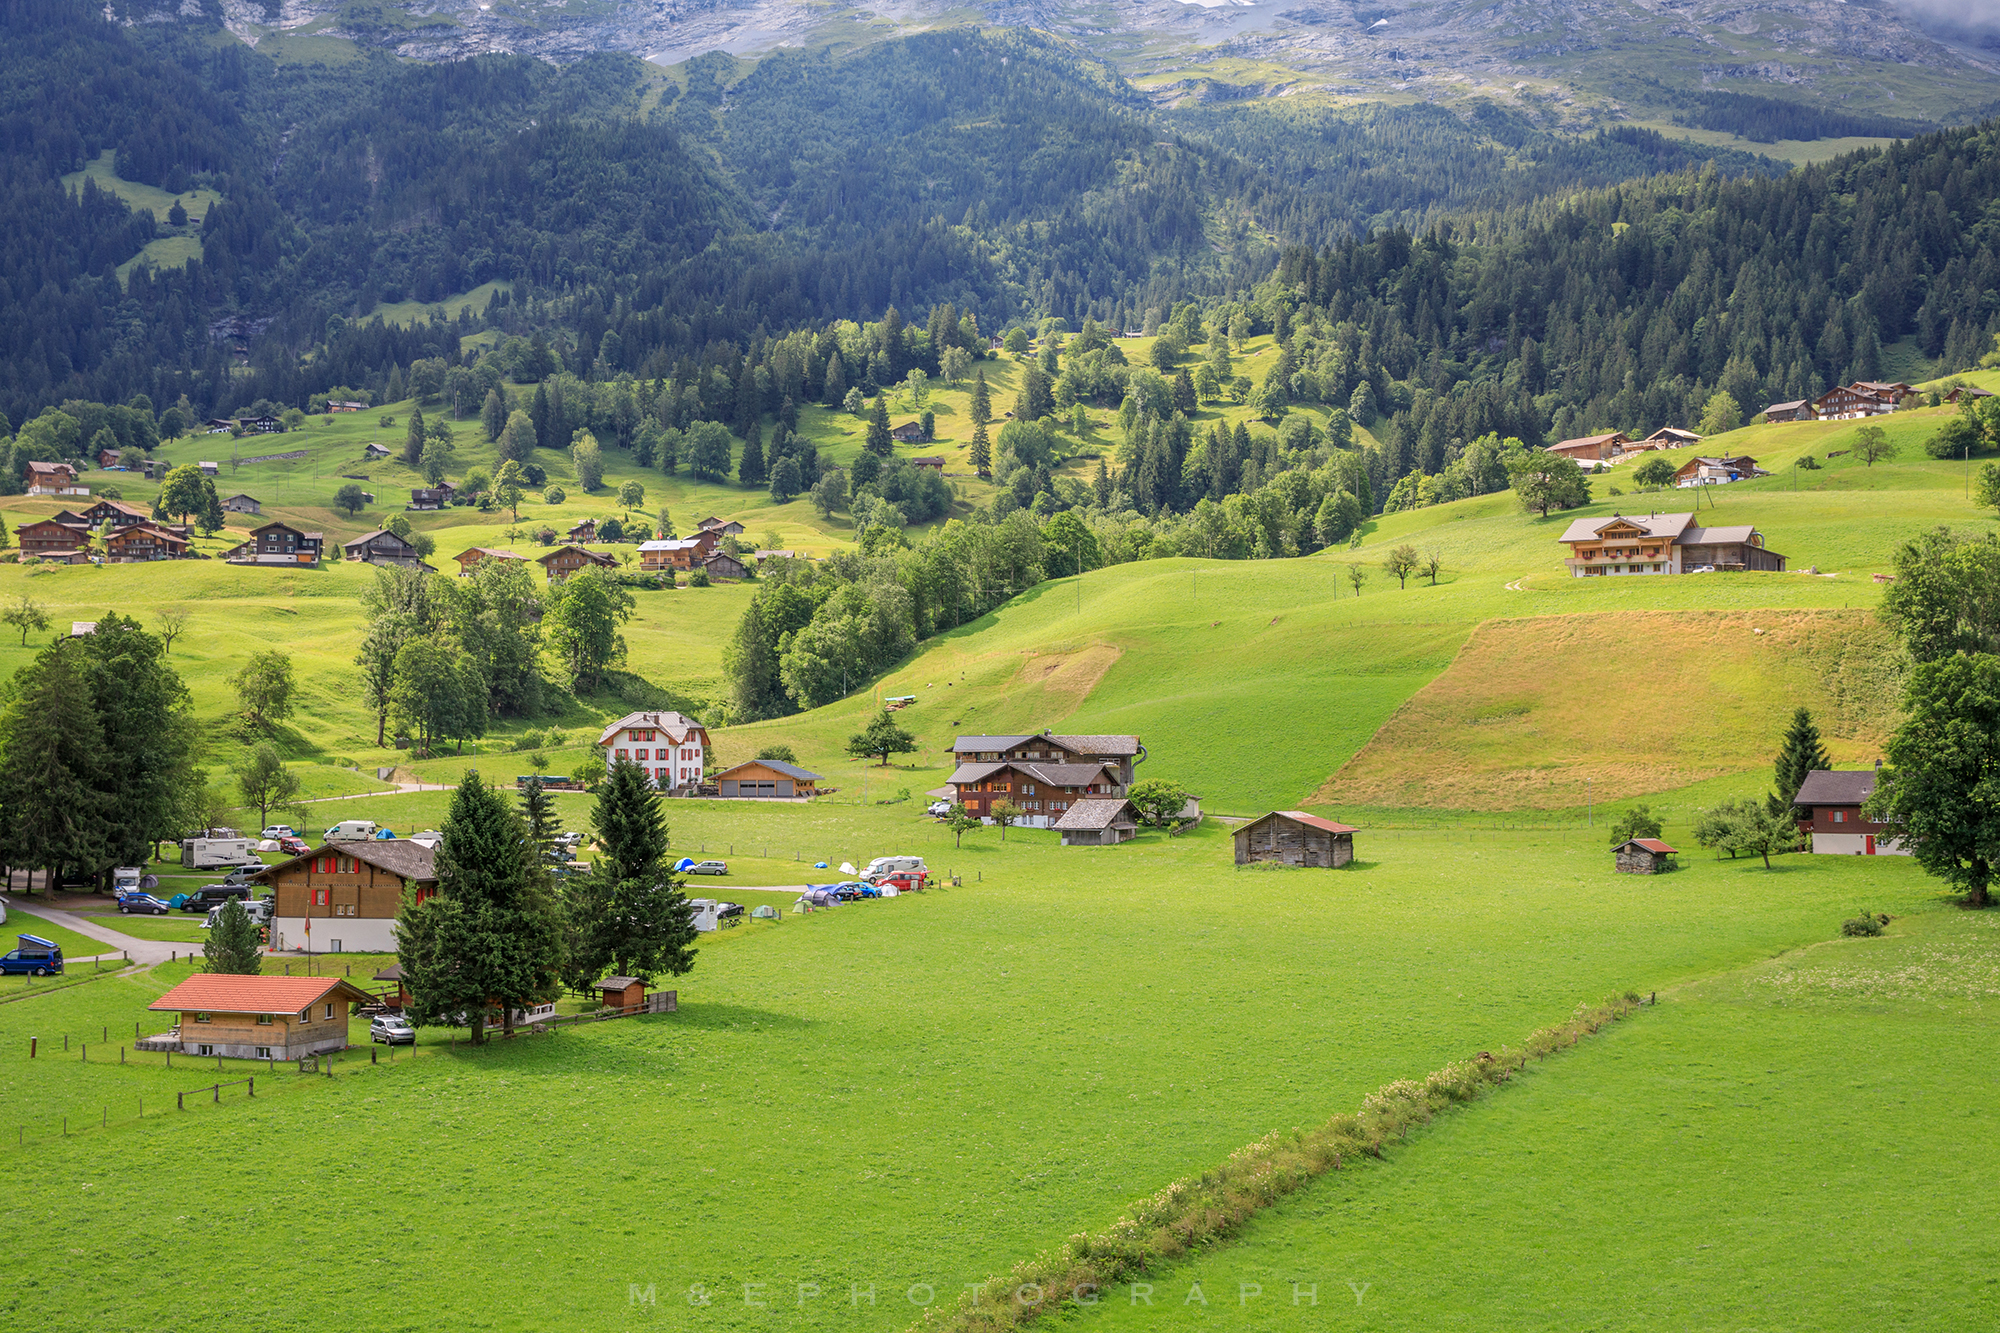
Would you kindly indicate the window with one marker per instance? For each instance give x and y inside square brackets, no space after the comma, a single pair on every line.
[204,1049]
[321,897]
[640,755]
[201,1018]
[623,755]
[1027,789]
[264,1020]
[305,1014]
[329,1011]
[1840,816]
[263,1052]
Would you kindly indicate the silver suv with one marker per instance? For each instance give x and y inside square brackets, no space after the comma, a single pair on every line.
[391,1030]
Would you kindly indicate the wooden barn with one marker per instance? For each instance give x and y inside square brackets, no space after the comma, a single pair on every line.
[767,778]
[1643,856]
[1098,822]
[622,993]
[1294,838]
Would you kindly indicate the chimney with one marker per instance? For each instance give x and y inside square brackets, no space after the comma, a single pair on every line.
[1878,765]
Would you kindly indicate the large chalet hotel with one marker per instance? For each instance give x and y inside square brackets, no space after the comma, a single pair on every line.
[1041,775]
[1663,544]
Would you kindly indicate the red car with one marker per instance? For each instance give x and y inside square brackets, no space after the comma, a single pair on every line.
[293,846]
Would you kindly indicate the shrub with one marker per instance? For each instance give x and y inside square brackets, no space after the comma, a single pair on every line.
[1868,923]
[698,579]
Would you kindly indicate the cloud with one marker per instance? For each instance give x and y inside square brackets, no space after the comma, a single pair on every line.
[1970,19]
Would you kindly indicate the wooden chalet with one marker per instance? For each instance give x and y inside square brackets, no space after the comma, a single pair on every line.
[1663,544]
[1295,838]
[240,503]
[677,552]
[117,513]
[910,432]
[1830,802]
[50,478]
[143,542]
[766,779]
[1120,752]
[470,558]
[1861,399]
[279,544]
[935,462]
[1801,410]
[1718,470]
[586,531]
[723,565]
[1962,392]
[257,1017]
[260,425]
[344,896]
[1643,856]
[344,405]
[107,458]
[1098,822]
[623,994]
[564,561]
[372,452]
[1667,437]
[720,528]
[382,547]
[209,468]
[48,536]
[429,497]
[1593,448]
[1043,791]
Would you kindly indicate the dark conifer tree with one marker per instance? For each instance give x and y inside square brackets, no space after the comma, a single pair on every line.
[879,442]
[1800,753]
[982,400]
[413,438]
[232,947]
[750,469]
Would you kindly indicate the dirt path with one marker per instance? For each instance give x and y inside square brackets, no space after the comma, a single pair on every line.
[141,951]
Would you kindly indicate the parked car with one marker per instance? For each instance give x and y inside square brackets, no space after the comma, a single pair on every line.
[241,875]
[36,957]
[938,809]
[294,846]
[853,890]
[391,1030]
[214,896]
[729,909]
[280,831]
[709,868]
[142,904]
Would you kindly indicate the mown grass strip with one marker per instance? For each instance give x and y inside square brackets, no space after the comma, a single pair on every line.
[1203,1210]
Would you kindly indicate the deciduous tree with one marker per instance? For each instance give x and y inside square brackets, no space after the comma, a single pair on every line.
[264,686]
[266,783]
[883,737]
[1940,792]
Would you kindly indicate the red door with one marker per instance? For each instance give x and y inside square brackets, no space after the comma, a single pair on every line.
[1871,843]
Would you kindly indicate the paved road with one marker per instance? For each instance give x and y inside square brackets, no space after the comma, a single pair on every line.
[142,951]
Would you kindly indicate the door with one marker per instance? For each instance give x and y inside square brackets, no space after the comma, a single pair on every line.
[1871,844]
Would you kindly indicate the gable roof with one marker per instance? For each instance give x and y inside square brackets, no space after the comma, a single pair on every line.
[595,557]
[367,537]
[1653,525]
[1055,775]
[1096,813]
[240,495]
[486,553]
[1583,441]
[398,856]
[1118,745]
[1785,407]
[678,726]
[1300,816]
[1673,433]
[975,744]
[776,765]
[1653,845]
[1840,786]
[1738,532]
[223,993]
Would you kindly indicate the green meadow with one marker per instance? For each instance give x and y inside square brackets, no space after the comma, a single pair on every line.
[894,1094]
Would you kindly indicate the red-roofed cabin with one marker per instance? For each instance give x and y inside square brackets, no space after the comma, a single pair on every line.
[1294,838]
[260,1018]
[1643,856]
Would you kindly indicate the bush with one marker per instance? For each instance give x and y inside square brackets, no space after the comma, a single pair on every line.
[1868,923]
[698,579]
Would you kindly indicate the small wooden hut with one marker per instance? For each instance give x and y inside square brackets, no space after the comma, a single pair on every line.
[1294,838]
[627,994]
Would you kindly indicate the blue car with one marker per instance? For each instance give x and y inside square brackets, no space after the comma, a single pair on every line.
[142,904]
[36,957]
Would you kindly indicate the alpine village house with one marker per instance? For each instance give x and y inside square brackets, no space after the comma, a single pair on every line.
[1663,544]
[1042,775]
[670,746]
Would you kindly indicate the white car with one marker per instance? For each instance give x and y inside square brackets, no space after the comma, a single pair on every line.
[280,831]
[709,868]
[938,809]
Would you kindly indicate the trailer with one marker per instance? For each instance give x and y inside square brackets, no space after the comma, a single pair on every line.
[217,853]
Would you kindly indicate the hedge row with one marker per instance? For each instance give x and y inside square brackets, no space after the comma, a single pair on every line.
[1202,1210]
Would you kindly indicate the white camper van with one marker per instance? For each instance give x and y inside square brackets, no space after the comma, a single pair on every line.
[352,830]
[217,853]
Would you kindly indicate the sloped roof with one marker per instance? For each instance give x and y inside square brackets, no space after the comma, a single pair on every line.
[367,537]
[223,993]
[976,744]
[1653,525]
[1585,440]
[486,553]
[1653,845]
[1737,532]
[617,983]
[1840,786]
[776,766]
[1055,775]
[1785,407]
[1118,745]
[595,557]
[1673,433]
[398,856]
[676,725]
[1300,816]
[1096,813]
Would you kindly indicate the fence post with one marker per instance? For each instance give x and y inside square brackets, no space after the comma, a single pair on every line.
[121,1055]
[170,1059]
[180,1101]
[218,1093]
[252,1080]
[65,1042]
[32,1042]
[371,1052]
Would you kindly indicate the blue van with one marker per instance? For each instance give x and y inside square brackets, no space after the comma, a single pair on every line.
[36,957]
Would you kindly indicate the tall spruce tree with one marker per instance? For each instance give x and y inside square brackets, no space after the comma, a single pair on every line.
[413,438]
[982,400]
[982,450]
[879,442]
[232,946]
[638,924]
[1799,754]
[52,812]
[492,933]
[750,468]
[538,812]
